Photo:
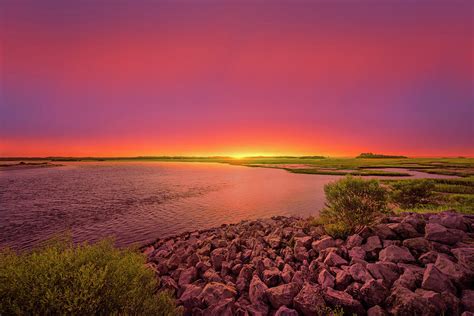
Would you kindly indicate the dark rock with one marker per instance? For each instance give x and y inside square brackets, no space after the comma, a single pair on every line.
[282,294]
[376,311]
[257,290]
[439,233]
[404,230]
[403,302]
[214,292]
[386,271]
[218,256]
[301,253]
[354,241]
[454,271]
[449,220]
[285,311]
[224,307]
[435,280]
[334,260]
[417,245]
[271,277]
[309,300]
[429,257]
[359,273]
[465,257]
[191,296]
[467,300]
[372,244]
[357,253]
[287,273]
[323,243]
[187,276]
[243,280]
[342,299]
[396,254]
[326,279]
[374,292]
[343,279]
[410,279]
[384,232]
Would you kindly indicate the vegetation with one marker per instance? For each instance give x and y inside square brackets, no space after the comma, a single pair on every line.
[98,279]
[371,155]
[352,203]
[412,193]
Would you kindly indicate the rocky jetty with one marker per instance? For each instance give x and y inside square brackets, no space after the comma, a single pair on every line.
[412,264]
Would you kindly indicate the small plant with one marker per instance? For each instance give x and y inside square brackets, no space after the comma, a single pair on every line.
[352,203]
[97,279]
[412,193]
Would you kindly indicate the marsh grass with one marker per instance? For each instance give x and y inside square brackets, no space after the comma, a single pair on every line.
[60,278]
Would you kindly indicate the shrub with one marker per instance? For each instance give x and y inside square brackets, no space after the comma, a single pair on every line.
[352,203]
[412,193]
[98,279]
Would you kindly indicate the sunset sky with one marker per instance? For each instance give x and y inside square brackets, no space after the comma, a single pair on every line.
[127,78]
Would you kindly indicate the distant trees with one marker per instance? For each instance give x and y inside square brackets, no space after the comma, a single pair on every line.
[372,155]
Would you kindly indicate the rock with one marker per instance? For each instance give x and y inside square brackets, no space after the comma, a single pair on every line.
[218,256]
[214,292]
[417,245]
[374,292]
[376,311]
[287,273]
[435,280]
[417,221]
[285,311]
[449,220]
[243,280]
[187,276]
[372,244]
[384,232]
[396,254]
[345,301]
[326,279]
[274,241]
[429,257]
[301,254]
[309,300]
[465,257]
[386,271]
[433,299]
[439,233]
[167,283]
[359,273]
[404,230]
[282,294]
[403,302]
[410,279]
[357,253]
[304,242]
[224,307]
[323,243]
[258,309]
[211,276]
[452,303]
[271,277]
[257,290]
[191,296]
[354,241]
[454,271]
[333,260]
[343,279]
[467,300]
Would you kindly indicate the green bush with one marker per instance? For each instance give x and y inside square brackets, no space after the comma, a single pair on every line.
[412,193]
[352,203]
[96,279]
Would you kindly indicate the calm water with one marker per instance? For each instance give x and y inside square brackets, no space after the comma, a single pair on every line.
[139,202]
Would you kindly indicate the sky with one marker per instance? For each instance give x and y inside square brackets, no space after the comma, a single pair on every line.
[203,78]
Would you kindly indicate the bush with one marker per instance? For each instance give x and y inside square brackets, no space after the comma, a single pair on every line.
[412,193]
[352,203]
[98,279]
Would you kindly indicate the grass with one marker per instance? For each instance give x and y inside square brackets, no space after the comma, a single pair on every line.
[98,279]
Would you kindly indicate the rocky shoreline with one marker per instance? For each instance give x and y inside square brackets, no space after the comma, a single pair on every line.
[411,264]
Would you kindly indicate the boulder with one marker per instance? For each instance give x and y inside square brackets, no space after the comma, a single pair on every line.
[386,271]
[285,311]
[287,273]
[357,253]
[343,279]
[282,294]
[396,254]
[359,273]
[342,299]
[449,220]
[191,296]
[410,279]
[374,292]
[325,278]
[429,257]
[211,276]
[404,230]
[403,302]
[334,260]
[323,243]
[454,271]
[301,254]
[465,257]
[243,280]
[376,311]
[354,241]
[214,292]
[467,300]
[417,245]
[187,276]
[257,290]
[271,277]
[218,256]
[435,280]
[373,243]
[224,307]
[309,300]
[384,232]
[439,233]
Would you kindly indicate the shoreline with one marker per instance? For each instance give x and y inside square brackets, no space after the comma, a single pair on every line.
[281,265]
[28,165]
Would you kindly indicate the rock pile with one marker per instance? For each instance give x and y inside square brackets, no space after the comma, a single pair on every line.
[412,264]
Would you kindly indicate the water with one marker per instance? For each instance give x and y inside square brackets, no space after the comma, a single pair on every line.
[138,202]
